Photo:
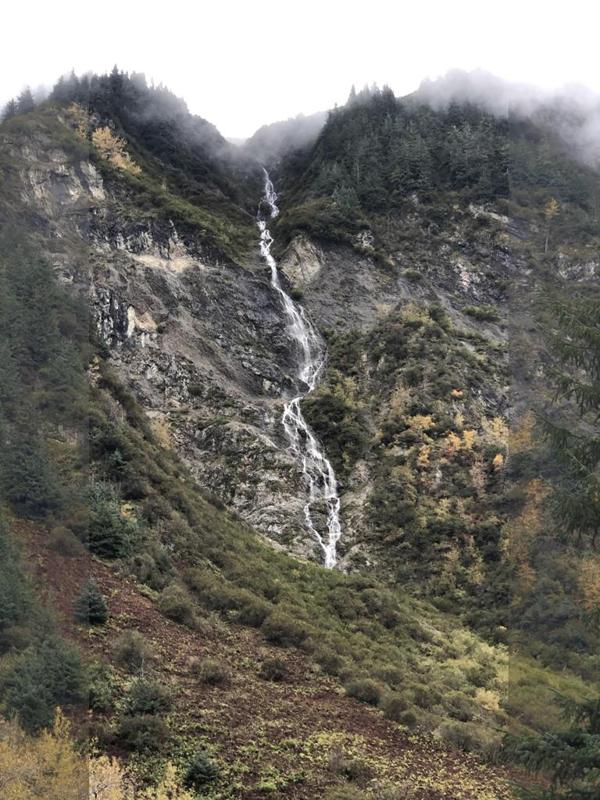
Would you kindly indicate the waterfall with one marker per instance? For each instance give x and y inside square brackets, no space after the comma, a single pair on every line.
[316,467]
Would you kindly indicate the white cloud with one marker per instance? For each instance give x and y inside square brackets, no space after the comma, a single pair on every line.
[240,64]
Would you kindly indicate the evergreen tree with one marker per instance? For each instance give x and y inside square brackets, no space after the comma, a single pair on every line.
[25,101]
[572,757]
[573,431]
[91,607]
[11,109]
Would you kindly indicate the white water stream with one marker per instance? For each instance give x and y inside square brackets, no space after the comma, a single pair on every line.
[316,467]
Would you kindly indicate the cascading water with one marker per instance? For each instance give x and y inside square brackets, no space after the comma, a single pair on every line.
[316,467]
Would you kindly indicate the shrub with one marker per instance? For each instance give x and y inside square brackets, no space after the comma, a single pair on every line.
[482,313]
[102,687]
[408,718]
[366,690]
[200,772]
[463,735]
[253,613]
[279,628]
[460,707]
[64,541]
[90,607]
[273,669]
[329,661]
[425,696]
[132,650]
[142,733]
[151,568]
[394,705]
[211,672]
[146,698]
[351,768]
[176,604]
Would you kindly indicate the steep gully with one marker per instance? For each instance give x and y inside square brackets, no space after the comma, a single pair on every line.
[317,469]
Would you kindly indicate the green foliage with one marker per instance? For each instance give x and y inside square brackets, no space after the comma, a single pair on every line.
[377,151]
[111,534]
[176,604]
[16,601]
[366,690]
[47,674]
[212,672]
[282,629]
[91,607]
[394,705]
[571,756]
[189,173]
[132,651]
[65,542]
[201,771]
[483,313]
[575,343]
[142,734]
[102,687]
[273,669]
[147,697]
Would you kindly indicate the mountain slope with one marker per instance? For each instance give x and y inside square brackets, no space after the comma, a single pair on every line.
[179,393]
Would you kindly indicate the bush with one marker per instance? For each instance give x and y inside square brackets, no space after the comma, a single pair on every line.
[365,690]
[211,672]
[151,568]
[102,687]
[330,662]
[64,541]
[44,676]
[147,698]
[176,604]
[132,650]
[425,696]
[142,733]
[351,768]
[460,707]
[273,669]
[200,772]
[281,629]
[482,313]
[253,613]
[90,607]
[460,734]
[408,718]
[394,705]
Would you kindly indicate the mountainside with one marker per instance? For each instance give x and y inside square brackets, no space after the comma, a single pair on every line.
[147,359]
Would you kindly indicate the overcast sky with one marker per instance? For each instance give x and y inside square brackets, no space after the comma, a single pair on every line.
[241,64]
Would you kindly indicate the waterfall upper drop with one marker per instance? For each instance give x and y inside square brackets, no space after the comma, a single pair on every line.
[316,467]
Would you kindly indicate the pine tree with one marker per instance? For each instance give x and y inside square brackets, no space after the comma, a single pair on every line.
[25,101]
[91,607]
[572,757]
[572,430]
[11,109]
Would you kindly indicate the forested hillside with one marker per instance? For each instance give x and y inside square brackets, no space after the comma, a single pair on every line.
[163,608]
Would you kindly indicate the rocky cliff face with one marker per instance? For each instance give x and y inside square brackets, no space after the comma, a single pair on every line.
[201,340]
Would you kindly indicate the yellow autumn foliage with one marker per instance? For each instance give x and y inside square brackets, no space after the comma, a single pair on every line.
[46,766]
[49,766]
[421,422]
[80,118]
[521,436]
[112,149]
